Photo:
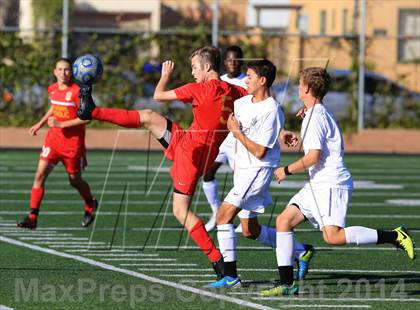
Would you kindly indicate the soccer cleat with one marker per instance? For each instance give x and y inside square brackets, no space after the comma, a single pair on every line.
[405,241]
[211,224]
[219,268]
[89,217]
[282,290]
[87,105]
[27,223]
[303,262]
[226,281]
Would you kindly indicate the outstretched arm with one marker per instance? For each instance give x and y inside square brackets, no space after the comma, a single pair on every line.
[254,148]
[311,158]
[160,93]
[53,123]
[34,129]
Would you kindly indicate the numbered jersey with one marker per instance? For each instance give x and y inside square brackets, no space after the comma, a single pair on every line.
[70,141]
[212,103]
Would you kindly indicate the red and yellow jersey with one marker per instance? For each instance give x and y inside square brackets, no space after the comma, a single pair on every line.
[212,103]
[69,141]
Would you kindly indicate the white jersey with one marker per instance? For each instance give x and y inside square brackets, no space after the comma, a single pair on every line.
[261,122]
[320,132]
[227,148]
[239,80]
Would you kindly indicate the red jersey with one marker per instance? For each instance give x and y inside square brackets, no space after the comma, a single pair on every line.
[212,102]
[68,141]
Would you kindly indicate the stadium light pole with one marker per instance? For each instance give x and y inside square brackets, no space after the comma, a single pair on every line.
[215,24]
[65,29]
[361,88]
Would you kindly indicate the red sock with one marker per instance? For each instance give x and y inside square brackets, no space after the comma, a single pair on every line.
[201,237]
[36,197]
[120,117]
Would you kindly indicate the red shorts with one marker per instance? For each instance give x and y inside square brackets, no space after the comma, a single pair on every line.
[190,160]
[73,164]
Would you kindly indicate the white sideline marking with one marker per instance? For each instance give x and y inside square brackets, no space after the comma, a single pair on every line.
[44,234]
[311,270]
[404,202]
[120,254]
[102,251]
[65,243]
[187,275]
[141,259]
[52,238]
[357,185]
[137,274]
[325,306]
[2,307]
[339,299]
[164,265]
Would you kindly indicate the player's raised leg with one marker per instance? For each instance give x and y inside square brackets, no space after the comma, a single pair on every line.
[37,194]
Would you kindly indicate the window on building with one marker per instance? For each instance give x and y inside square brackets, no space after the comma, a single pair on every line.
[323,22]
[409,35]
[303,23]
[345,21]
[333,20]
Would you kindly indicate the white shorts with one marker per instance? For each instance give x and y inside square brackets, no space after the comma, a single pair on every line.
[250,190]
[323,206]
[227,151]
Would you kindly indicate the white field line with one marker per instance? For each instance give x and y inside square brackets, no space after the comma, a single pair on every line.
[120,255]
[338,299]
[140,259]
[163,265]
[311,270]
[186,275]
[2,307]
[43,238]
[154,214]
[102,251]
[72,243]
[44,234]
[335,306]
[145,277]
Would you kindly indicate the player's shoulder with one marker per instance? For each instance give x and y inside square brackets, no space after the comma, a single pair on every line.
[52,87]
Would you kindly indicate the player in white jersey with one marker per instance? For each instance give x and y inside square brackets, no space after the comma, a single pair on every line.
[324,200]
[256,125]
[233,65]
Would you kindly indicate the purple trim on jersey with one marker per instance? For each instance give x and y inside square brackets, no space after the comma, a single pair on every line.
[249,187]
[329,209]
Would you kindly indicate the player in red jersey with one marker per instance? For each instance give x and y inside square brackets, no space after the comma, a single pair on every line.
[193,150]
[61,144]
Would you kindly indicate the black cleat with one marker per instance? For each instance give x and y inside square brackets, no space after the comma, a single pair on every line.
[87,105]
[89,217]
[219,268]
[27,223]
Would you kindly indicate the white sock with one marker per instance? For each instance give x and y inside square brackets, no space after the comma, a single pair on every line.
[227,242]
[360,235]
[268,237]
[210,189]
[284,249]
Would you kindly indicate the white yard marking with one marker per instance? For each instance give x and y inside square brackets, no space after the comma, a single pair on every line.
[44,238]
[339,299]
[335,306]
[141,259]
[163,265]
[65,243]
[120,254]
[404,202]
[142,276]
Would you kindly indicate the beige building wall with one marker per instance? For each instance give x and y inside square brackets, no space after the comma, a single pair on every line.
[382,50]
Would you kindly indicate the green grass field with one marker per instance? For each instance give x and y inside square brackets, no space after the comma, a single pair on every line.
[137,256]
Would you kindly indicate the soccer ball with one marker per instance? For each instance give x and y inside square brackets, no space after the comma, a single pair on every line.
[87,69]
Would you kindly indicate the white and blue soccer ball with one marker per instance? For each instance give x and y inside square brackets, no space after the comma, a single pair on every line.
[87,69]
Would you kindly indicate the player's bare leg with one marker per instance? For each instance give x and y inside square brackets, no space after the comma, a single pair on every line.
[90,206]
[37,193]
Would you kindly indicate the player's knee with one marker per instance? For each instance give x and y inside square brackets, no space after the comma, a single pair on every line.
[333,239]
[221,218]
[283,223]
